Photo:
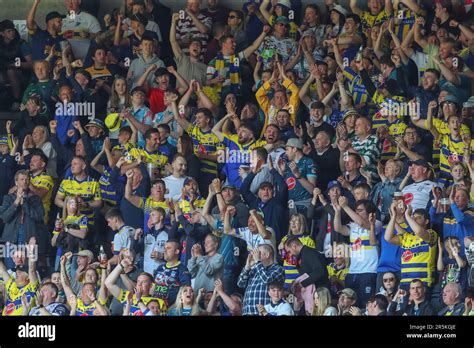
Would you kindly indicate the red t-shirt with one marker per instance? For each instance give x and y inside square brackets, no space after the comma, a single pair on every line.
[156,96]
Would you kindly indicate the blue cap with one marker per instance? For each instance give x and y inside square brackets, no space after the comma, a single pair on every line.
[97,123]
[4,140]
[333,183]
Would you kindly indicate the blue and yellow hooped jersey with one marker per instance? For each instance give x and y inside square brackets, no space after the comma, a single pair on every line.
[88,189]
[207,143]
[290,262]
[418,257]
[147,204]
[368,20]
[107,190]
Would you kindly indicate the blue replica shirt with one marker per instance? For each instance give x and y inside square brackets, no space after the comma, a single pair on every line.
[296,191]
[390,254]
[236,156]
[41,44]
[168,280]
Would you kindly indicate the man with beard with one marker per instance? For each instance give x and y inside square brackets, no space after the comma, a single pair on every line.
[238,148]
[275,145]
[170,276]
[45,40]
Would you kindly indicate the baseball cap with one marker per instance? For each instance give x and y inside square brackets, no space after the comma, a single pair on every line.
[333,183]
[53,15]
[349,112]
[282,19]
[229,186]
[341,10]
[188,180]
[285,3]
[295,142]
[85,253]
[3,141]
[349,293]
[138,17]
[452,99]
[112,122]
[97,123]
[137,89]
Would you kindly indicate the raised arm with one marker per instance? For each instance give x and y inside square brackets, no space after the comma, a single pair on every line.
[30,20]
[260,224]
[217,129]
[256,44]
[354,8]
[389,235]
[227,225]
[263,10]
[419,39]
[111,281]
[181,119]
[419,231]
[32,259]
[174,43]
[338,226]
[199,25]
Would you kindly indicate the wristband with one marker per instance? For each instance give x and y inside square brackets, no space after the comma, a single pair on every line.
[218,193]
[41,306]
[298,178]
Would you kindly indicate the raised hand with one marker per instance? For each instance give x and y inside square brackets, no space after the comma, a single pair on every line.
[342,201]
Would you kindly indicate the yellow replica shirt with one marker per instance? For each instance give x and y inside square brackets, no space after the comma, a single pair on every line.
[84,310]
[418,258]
[87,188]
[205,143]
[13,305]
[135,309]
[44,181]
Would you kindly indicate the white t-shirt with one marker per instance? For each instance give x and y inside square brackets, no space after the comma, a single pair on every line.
[421,61]
[123,239]
[330,311]
[150,243]
[254,240]
[281,308]
[173,187]
[364,257]
[80,22]
[418,194]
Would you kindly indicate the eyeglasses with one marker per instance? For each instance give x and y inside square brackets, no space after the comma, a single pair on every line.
[232,17]
[386,280]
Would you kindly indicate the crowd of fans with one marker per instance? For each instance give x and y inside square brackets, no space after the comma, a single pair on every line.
[274,159]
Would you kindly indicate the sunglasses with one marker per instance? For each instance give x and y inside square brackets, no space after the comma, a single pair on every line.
[232,17]
[386,280]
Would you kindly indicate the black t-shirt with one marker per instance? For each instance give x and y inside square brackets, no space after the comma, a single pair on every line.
[327,128]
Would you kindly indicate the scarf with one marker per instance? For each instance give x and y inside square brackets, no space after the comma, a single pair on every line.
[233,72]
